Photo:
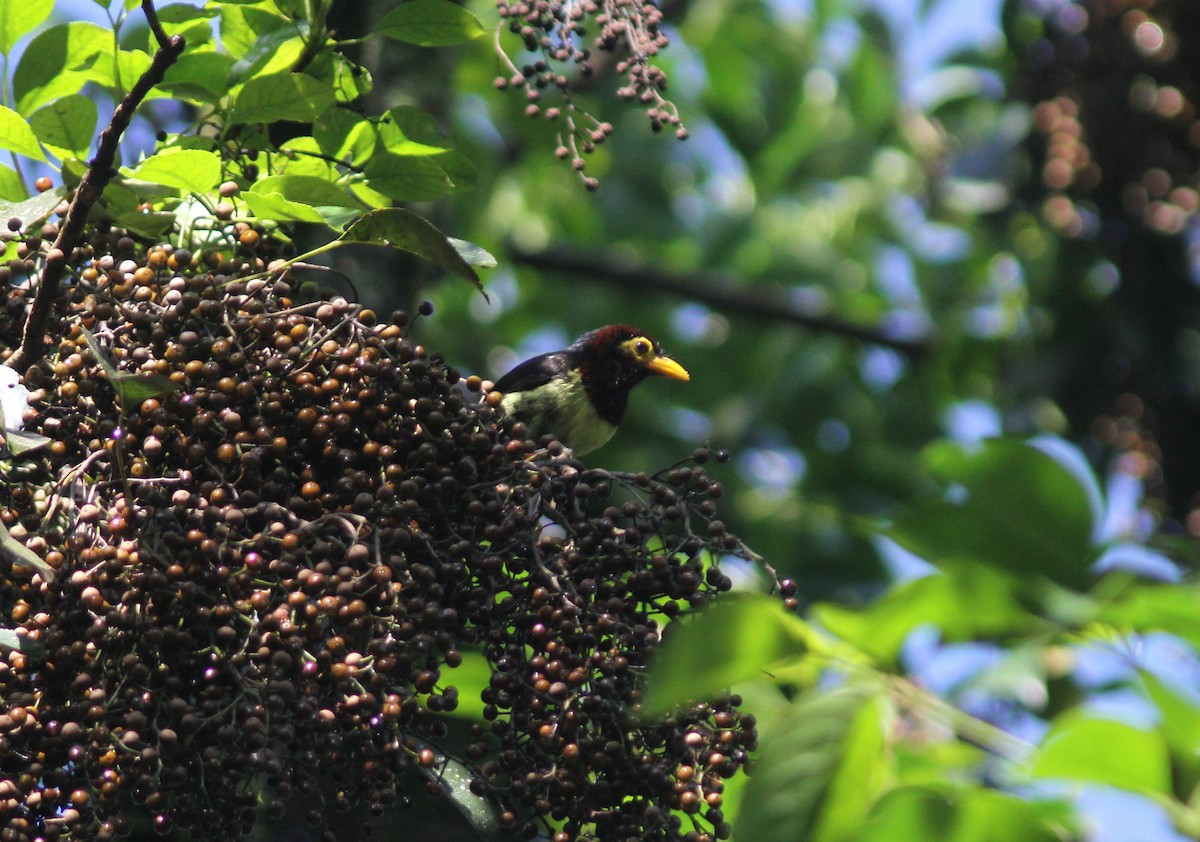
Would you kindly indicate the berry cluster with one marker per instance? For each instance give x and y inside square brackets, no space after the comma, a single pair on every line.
[555,31]
[270,565]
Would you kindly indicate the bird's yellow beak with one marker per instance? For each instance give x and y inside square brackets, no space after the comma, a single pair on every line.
[667,367]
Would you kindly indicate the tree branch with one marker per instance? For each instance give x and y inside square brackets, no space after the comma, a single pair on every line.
[91,186]
[722,292]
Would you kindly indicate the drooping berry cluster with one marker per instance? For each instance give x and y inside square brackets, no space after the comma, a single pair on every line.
[555,30]
[268,572]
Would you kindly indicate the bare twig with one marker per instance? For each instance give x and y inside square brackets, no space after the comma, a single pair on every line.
[97,176]
[160,34]
[724,293]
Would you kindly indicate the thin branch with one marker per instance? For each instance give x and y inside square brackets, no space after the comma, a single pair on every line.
[160,34]
[722,292]
[91,186]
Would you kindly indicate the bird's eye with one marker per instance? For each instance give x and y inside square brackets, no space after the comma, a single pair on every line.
[641,347]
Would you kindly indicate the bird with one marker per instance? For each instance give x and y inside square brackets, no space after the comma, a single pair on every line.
[579,394]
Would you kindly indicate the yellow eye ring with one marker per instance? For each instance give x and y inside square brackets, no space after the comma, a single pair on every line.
[642,347]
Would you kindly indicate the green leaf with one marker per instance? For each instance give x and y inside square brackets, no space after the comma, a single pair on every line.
[1154,607]
[102,359]
[12,641]
[17,136]
[473,254]
[405,230]
[19,19]
[308,190]
[455,779]
[60,60]
[275,206]
[243,26]
[881,628]
[21,442]
[189,170]
[410,179]
[345,136]
[11,188]
[151,225]
[828,745]
[202,76]
[1084,748]
[946,814]
[1180,727]
[860,774]
[32,210]
[430,23]
[131,64]
[302,156]
[67,125]
[281,96]
[22,556]
[735,640]
[1009,506]
[134,387]
[873,84]
[131,387]
[194,23]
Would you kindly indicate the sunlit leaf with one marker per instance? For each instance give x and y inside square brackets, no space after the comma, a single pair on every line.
[1007,505]
[414,179]
[344,135]
[67,125]
[1103,751]
[131,387]
[948,814]
[22,556]
[1155,607]
[275,206]
[1180,727]
[430,23]
[735,640]
[32,210]
[19,19]
[135,387]
[194,23]
[17,136]
[201,76]
[20,442]
[828,746]
[60,60]
[473,254]
[881,628]
[189,170]
[307,189]
[405,230]
[11,188]
[242,27]
[131,64]
[455,779]
[281,96]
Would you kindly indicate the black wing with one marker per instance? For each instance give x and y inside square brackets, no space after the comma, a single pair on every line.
[536,371]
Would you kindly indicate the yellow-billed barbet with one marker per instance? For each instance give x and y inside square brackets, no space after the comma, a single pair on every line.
[579,394]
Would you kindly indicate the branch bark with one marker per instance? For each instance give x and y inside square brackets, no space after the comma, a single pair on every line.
[722,292]
[91,186]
